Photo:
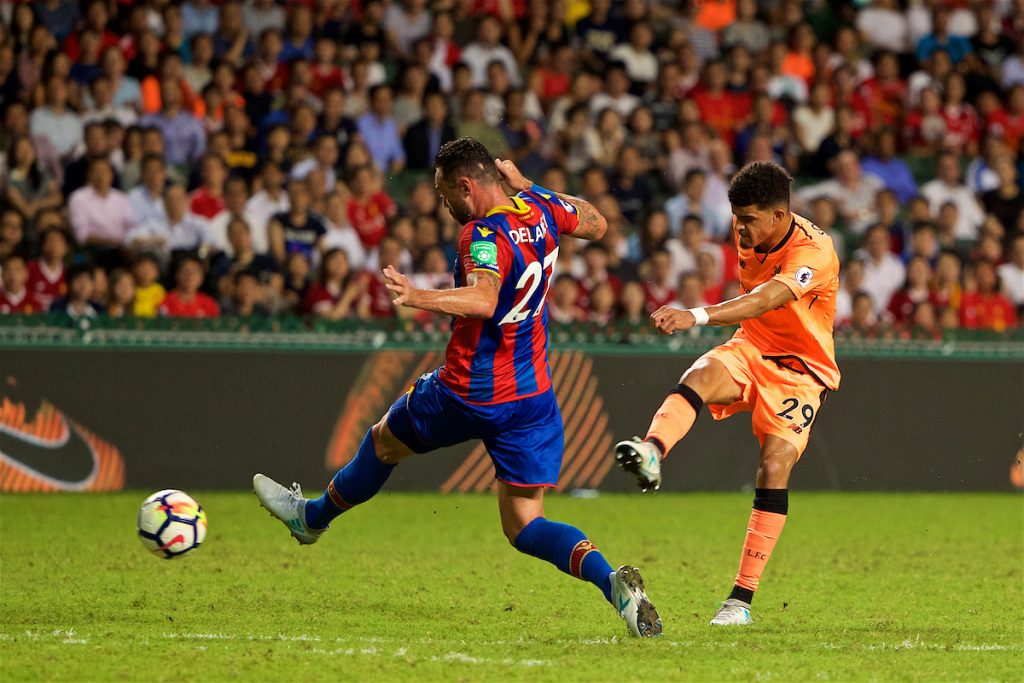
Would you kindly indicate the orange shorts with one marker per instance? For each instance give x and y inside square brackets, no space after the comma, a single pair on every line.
[783,402]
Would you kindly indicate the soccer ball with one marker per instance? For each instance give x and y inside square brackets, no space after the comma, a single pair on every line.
[171,523]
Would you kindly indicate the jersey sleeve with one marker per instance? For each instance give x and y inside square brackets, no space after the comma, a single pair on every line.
[567,218]
[807,269]
[482,249]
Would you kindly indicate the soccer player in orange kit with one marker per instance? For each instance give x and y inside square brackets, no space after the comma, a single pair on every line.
[779,366]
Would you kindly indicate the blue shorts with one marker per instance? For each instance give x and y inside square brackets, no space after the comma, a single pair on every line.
[524,438]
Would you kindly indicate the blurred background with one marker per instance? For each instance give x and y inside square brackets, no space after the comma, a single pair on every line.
[229,176]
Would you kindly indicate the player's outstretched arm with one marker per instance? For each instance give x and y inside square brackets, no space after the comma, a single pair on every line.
[592,225]
[477,299]
[758,301]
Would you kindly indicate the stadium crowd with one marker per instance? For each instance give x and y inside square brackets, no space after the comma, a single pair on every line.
[203,158]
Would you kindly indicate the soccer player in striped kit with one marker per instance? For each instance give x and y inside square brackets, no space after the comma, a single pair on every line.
[495,384]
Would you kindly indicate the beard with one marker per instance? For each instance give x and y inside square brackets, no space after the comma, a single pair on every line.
[460,211]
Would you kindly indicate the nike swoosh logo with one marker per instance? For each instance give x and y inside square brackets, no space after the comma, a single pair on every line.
[51,452]
[623,603]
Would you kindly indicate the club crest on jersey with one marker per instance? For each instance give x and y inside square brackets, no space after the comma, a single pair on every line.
[803,276]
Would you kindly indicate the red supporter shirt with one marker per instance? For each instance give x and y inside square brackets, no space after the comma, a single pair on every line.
[658,296]
[26,303]
[201,306]
[713,294]
[883,101]
[1008,126]
[496,8]
[74,50]
[46,286]
[588,284]
[962,126]
[986,312]
[380,298]
[204,204]
[724,112]
[325,77]
[370,218]
[901,306]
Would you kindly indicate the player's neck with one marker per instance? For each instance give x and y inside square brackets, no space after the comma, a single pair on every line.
[782,231]
[493,199]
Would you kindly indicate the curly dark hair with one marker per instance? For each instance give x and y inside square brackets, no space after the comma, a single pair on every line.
[468,157]
[762,184]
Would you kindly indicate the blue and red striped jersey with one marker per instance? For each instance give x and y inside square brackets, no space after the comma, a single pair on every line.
[505,358]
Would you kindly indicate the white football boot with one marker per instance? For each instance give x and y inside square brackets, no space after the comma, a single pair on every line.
[642,459]
[629,598]
[288,505]
[733,612]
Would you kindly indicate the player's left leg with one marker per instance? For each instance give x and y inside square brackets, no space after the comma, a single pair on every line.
[771,505]
[526,449]
[568,548]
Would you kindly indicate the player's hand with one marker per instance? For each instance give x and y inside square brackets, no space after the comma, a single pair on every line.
[668,320]
[512,175]
[401,289]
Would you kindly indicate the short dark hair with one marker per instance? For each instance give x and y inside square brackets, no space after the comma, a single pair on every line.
[762,184]
[78,270]
[693,173]
[188,258]
[466,156]
[146,257]
[16,255]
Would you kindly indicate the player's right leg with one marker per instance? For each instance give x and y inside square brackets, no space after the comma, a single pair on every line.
[385,444]
[707,381]
[355,483]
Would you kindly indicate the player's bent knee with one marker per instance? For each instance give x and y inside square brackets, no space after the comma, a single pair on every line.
[707,377]
[389,449]
[774,469]
[777,462]
[512,526]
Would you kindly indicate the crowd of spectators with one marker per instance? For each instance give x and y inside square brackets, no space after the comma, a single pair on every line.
[206,158]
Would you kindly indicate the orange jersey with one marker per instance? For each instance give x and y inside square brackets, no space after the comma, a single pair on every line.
[800,332]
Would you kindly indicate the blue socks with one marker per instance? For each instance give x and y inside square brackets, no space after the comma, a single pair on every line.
[568,549]
[356,483]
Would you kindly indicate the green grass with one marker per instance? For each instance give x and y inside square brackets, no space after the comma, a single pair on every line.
[424,587]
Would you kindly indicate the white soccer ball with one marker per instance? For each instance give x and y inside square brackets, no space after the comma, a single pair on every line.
[171,523]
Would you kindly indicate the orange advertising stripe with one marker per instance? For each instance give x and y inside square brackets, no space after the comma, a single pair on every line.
[565,366]
[463,469]
[481,469]
[581,446]
[573,432]
[486,478]
[591,454]
[571,399]
[604,465]
[359,408]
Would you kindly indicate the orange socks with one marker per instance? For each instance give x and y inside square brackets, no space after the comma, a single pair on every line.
[766,522]
[674,418]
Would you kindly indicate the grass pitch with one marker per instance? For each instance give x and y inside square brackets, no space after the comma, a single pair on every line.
[424,587]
